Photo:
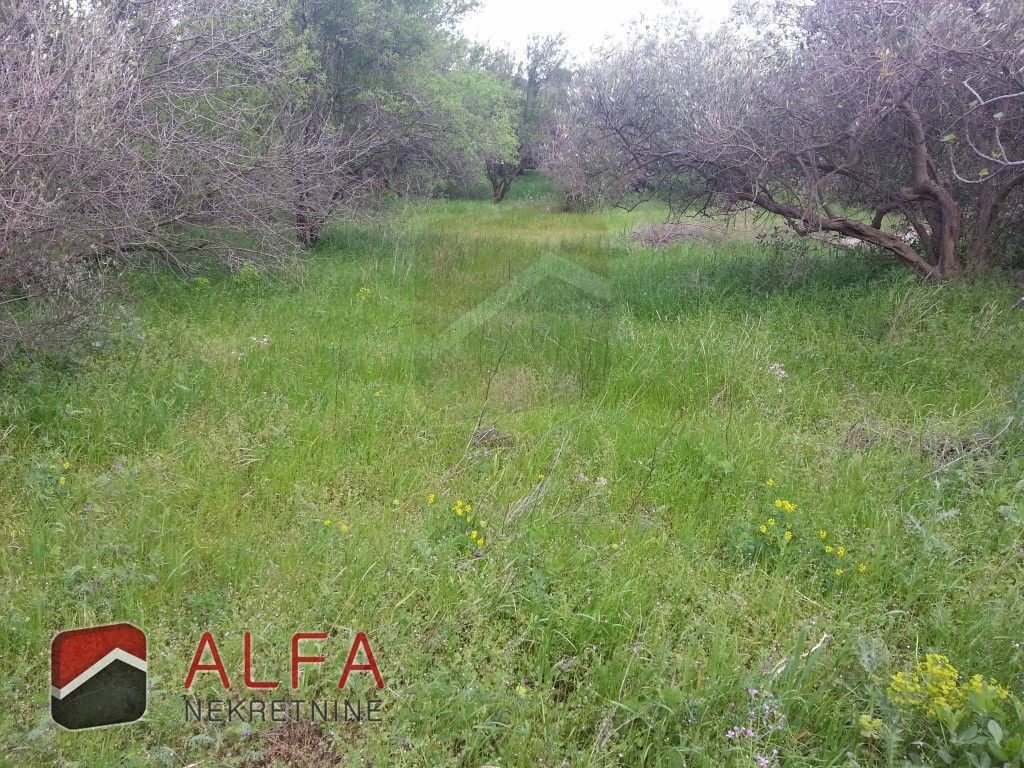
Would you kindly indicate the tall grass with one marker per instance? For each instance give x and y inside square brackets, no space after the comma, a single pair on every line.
[613,615]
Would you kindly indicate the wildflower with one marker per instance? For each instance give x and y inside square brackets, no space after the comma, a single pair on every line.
[778,503]
[870,727]
[770,483]
[540,476]
[483,523]
[67,465]
[788,535]
[861,568]
[521,690]
[328,521]
[615,545]
[472,535]
[932,686]
[771,521]
[459,512]
[480,542]
[63,480]
[841,551]
[976,684]
[343,527]
[431,498]
[822,534]
[764,529]
[469,507]
[840,571]
[740,731]
[601,482]
[829,550]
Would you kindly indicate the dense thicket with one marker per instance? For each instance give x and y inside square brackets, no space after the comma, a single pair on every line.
[190,131]
[899,124]
[538,85]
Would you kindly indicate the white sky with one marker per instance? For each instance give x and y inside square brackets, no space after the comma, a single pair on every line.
[586,23]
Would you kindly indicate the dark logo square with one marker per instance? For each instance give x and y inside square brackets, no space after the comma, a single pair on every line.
[98,676]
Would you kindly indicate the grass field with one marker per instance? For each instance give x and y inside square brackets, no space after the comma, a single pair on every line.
[287,454]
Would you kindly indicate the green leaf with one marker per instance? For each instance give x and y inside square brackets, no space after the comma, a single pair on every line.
[967,734]
[995,730]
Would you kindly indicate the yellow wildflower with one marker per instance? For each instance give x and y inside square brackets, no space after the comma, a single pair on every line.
[870,727]
[770,483]
[764,529]
[788,535]
[67,465]
[822,534]
[840,571]
[861,568]
[431,498]
[828,549]
[328,521]
[472,535]
[63,480]
[771,521]
[933,685]
[343,527]
[841,551]
[480,541]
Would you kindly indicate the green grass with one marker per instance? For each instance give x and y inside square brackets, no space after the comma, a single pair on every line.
[604,624]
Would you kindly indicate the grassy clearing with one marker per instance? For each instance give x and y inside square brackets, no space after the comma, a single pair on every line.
[625,599]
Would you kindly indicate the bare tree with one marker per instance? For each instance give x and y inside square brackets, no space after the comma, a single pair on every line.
[821,112]
[140,131]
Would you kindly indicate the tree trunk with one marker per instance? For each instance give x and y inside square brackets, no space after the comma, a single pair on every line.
[501,174]
[307,227]
[945,219]
[986,216]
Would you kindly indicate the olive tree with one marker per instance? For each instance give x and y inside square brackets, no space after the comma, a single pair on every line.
[836,116]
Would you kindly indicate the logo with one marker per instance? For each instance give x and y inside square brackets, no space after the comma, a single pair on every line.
[525,332]
[98,676]
[547,269]
[284,705]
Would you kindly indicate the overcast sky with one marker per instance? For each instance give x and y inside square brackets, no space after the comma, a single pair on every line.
[508,23]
